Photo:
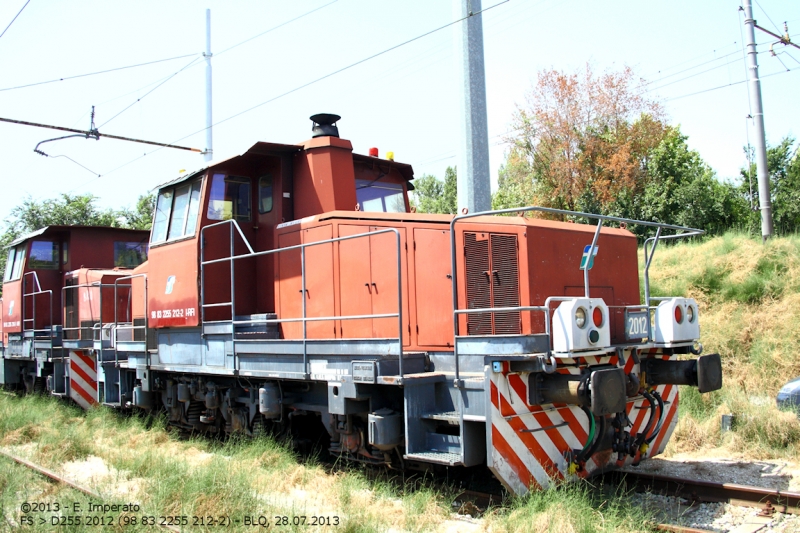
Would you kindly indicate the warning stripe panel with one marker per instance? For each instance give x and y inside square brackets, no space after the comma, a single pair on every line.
[82,379]
[512,459]
[83,393]
[76,369]
[541,417]
[534,447]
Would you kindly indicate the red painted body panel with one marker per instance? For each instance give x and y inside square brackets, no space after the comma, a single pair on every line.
[324,177]
[77,247]
[172,285]
[95,304]
[546,268]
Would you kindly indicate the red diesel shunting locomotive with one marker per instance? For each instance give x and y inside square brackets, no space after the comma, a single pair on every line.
[292,286]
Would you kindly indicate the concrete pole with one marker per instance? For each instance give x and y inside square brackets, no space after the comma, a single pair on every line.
[474,189]
[209,141]
[765,202]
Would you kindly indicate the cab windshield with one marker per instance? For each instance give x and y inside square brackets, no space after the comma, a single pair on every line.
[380,197]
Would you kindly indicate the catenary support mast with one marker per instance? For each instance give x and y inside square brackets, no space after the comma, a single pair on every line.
[209,152]
[474,190]
[765,202]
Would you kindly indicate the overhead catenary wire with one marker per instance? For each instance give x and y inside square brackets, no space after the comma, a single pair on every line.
[658,80]
[729,85]
[303,86]
[15,18]
[65,78]
[766,15]
[273,28]
[193,61]
[96,134]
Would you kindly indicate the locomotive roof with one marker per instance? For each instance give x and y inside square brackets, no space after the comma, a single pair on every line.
[265,148]
[54,229]
[445,219]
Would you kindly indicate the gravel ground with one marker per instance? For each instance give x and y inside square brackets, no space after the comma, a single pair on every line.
[718,517]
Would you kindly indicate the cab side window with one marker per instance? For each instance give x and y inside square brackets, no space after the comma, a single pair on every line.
[43,255]
[129,254]
[229,198]
[265,193]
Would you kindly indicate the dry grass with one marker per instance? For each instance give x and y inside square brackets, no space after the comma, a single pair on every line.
[138,460]
[749,297]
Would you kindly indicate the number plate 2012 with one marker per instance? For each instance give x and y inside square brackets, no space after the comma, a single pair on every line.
[635,325]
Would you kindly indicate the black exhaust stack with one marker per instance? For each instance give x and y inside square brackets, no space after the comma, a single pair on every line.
[325,125]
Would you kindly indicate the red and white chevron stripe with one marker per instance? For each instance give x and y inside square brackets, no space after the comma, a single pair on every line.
[528,444]
[83,378]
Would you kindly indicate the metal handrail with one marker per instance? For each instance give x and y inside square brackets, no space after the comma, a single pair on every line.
[33,295]
[130,297]
[303,289]
[98,285]
[688,232]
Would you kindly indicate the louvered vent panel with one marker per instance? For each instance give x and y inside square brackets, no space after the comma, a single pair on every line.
[478,289]
[505,283]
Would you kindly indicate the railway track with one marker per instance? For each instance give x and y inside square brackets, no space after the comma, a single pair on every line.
[60,479]
[693,491]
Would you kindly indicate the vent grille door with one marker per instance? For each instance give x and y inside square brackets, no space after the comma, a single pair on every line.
[505,283]
[492,265]
[476,250]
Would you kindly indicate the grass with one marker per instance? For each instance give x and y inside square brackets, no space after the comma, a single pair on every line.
[572,508]
[134,459]
[130,459]
[749,297]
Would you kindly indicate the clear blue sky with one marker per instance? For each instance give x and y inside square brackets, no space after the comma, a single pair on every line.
[405,100]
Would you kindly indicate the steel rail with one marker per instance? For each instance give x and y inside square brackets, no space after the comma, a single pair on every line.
[55,477]
[707,491]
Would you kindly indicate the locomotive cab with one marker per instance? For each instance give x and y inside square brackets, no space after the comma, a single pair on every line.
[233,207]
[38,269]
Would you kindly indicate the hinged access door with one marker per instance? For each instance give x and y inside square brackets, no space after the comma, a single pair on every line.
[368,282]
[492,274]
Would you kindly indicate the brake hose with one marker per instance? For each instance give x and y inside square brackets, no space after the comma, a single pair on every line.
[640,438]
[660,401]
[598,438]
[590,439]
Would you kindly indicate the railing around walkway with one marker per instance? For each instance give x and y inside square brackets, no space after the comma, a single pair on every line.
[601,219]
[96,328]
[32,296]
[129,319]
[303,290]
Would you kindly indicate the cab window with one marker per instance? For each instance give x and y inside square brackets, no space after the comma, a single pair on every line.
[43,255]
[229,198]
[176,212]
[265,194]
[129,254]
[380,197]
[14,263]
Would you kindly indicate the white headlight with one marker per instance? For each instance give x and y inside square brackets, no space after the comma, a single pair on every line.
[580,317]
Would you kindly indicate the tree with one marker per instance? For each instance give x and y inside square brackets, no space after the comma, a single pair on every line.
[682,189]
[434,196]
[580,141]
[69,210]
[783,165]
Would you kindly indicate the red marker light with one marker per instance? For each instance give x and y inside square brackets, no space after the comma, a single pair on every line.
[597,317]
[678,314]
[373,152]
